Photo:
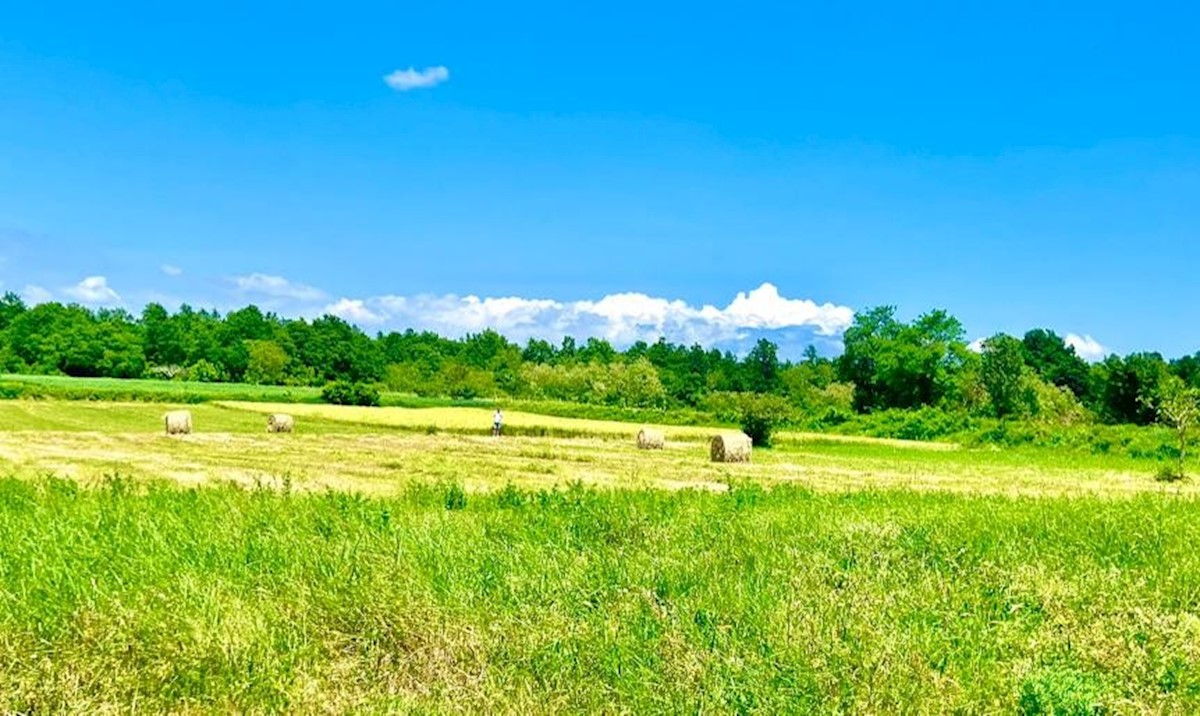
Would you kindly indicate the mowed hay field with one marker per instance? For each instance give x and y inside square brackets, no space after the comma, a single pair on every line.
[381,450]
[382,560]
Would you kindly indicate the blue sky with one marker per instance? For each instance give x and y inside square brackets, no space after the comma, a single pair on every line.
[623,171]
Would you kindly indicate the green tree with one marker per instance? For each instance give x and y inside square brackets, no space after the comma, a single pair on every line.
[163,344]
[865,342]
[1055,361]
[466,382]
[897,365]
[597,350]
[267,363]
[197,331]
[1178,406]
[11,306]
[204,371]
[761,368]
[121,338]
[1005,376]
[481,350]
[338,351]
[758,415]
[636,384]
[538,351]
[1127,387]
[1188,369]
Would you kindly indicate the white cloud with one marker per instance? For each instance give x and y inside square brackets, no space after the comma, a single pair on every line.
[622,318]
[170,270]
[765,308]
[34,295]
[354,311]
[976,346]
[277,287]
[412,78]
[1086,347]
[93,290]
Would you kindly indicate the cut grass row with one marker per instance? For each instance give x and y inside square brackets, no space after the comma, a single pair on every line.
[785,601]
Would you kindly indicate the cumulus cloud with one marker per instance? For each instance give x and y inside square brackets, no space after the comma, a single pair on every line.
[976,346]
[765,308]
[277,287]
[93,290]
[354,311]
[621,318]
[34,295]
[412,78]
[171,270]
[1086,347]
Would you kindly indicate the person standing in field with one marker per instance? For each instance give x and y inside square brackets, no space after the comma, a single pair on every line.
[497,423]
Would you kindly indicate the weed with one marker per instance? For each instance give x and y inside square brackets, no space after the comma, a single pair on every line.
[456,498]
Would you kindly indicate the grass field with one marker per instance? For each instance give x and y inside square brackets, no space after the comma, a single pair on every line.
[399,560]
[144,597]
[381,450]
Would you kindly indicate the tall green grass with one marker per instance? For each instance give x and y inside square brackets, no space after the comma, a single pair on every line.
[144,597]
[167,391]
[1142,442]
[146,390]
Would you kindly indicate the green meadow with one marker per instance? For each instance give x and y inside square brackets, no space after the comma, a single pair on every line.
[392,560]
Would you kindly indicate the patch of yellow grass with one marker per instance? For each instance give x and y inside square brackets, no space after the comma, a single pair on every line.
[480,419]
[785,436]
[466,419]
[337,448]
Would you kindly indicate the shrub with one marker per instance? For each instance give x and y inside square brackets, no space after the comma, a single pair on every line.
[758,415]
[1061,692]
[759,427]
[203,371]
[344,392]
[510,497]
[456,498]
[1169,472]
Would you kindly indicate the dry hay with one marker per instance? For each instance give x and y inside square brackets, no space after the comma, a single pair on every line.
[731,447]
[648,439]
[280,423]
[178,422]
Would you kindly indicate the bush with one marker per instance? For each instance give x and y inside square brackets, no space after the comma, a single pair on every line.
[1061,692]
[203,371]
[343,392]
[510,497]
[759,427]
[456,498]
[1169,473]
[758,415]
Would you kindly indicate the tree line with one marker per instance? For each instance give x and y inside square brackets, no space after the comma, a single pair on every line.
[887,364]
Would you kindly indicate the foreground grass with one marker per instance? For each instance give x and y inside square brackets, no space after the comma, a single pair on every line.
[147,597]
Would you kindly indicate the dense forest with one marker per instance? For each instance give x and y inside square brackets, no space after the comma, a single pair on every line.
[886,364]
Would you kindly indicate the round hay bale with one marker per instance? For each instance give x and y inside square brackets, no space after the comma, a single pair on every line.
[731,447]
[648,439]
[178,422]
[280,423]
